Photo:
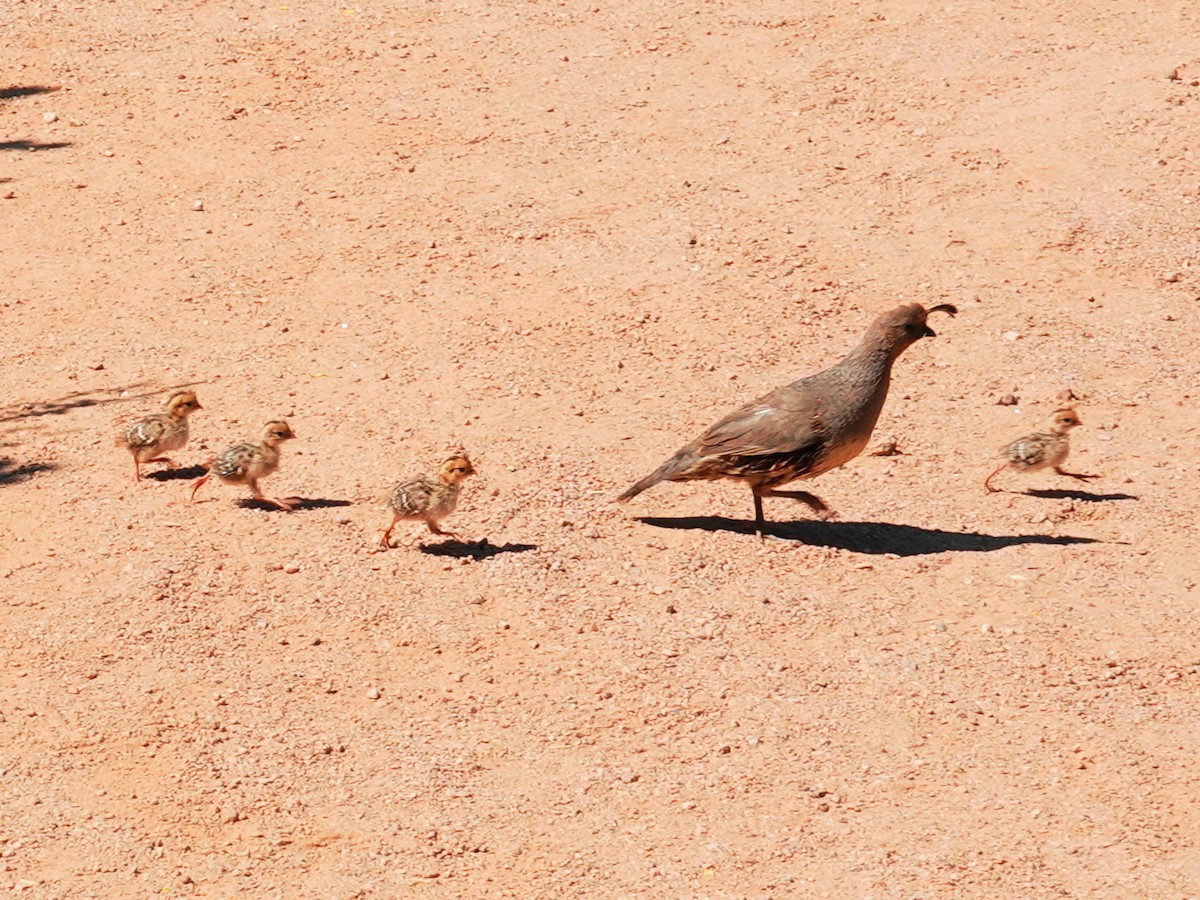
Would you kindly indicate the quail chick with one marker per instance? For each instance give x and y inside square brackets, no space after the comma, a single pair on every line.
[803,429]
[1041,450]
[428,499]
[248,462]
[151,438]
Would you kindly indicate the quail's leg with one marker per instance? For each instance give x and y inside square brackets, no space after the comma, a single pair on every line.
[259,495]
[434,528]
[815,503]
[137,470]
[1061,471]
[759,521]
[987,482]
[385,542]
[196,485]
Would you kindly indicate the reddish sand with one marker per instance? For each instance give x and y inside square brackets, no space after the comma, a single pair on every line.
[569,236]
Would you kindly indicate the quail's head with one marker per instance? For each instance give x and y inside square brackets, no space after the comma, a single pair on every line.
[1064,420]
[276,432]
[182,404]
[905,325]
[456,468]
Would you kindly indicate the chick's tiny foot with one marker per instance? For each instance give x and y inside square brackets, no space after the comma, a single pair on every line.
[1080,476]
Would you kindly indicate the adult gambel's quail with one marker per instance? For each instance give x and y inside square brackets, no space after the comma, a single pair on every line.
[805,428]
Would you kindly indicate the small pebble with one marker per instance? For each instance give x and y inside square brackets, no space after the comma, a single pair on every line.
[198,206]
[373,693]
[50,117]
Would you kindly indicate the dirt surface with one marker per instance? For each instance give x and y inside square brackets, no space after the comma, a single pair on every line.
[569,236]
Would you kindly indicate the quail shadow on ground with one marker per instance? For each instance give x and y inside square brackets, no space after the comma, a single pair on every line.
[1068,494]
[26,90]
[11,472]
[33,145]
[870,537]
[298,503]
[476,550]
[84,399]
[180,474]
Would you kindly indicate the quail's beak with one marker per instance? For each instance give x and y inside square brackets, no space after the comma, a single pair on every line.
[197,405]
[929,332]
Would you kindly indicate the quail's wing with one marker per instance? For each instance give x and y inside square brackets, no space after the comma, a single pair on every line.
[786,421]
[1029,449]
[236,461]
[412,497]
[146,432]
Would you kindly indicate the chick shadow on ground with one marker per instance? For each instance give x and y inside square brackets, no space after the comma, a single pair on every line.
[476,550]
[299,504]
[870,537]
[1067,494]
[181,474]
[11,471]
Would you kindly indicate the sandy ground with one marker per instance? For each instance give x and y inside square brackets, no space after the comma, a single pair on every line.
[569,236]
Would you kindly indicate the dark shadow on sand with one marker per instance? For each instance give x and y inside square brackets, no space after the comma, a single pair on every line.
[180,474]
[11,472]
[299,504]
[1068,494]
[33,145]
[870,537]
[82,399]
[476,550]
[26,90]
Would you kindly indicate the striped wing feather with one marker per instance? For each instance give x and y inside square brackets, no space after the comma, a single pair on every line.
[412,498]
[147,432]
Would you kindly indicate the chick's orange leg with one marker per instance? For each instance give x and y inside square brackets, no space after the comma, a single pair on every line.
[1079,475]
[987,482]
[434,528]
[385,542]
[199,483]
[259,495]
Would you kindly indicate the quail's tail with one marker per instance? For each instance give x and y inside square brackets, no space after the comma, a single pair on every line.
[665,472]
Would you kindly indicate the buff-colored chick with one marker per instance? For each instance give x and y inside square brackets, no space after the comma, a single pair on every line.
[428,499]
[1041,450]
[151,438]
[249,462]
